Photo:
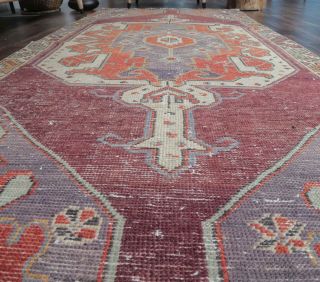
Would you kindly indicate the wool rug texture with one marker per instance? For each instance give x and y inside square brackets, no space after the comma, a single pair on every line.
[160,145]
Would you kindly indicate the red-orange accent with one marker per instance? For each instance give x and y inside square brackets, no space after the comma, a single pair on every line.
[262,229]
[316,247]
[14,256]
[87,233]
[61,219]
[86,214]
[281,249]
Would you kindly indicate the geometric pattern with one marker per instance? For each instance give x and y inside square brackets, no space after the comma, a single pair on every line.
[279,234]
[124,53]
[160,145]
[168,148]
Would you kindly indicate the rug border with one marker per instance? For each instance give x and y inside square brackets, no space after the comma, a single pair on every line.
[209,235]
[307,58]
[110,270]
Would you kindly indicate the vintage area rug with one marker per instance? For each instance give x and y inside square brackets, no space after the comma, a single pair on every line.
[160,145]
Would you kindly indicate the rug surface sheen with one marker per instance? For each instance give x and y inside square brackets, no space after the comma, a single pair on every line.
[160,145]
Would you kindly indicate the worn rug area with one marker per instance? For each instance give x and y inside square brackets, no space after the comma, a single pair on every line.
[160,145]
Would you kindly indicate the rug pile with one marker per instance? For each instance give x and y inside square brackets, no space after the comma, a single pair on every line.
[160,145]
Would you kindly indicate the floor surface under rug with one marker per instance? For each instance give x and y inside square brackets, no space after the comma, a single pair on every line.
[160,145]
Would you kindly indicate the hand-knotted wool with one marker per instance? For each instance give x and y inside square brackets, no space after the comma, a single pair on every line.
[160,145]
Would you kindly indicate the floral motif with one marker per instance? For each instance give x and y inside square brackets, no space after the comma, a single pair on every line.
[280,234]
[76,225]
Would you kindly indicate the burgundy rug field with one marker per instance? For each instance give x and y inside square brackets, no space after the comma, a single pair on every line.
[160,145]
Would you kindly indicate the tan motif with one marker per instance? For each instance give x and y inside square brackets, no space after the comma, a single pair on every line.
[170,105]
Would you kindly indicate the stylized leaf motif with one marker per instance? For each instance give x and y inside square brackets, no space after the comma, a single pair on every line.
[14,185]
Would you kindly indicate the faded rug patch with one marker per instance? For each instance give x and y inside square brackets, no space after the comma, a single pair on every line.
[160,145]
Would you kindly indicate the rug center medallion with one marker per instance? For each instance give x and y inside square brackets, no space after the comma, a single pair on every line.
[171,71]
